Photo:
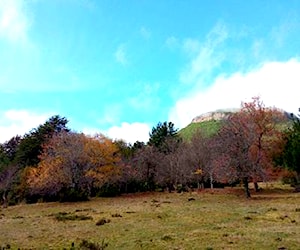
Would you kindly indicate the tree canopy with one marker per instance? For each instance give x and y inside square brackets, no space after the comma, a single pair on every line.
[162,133]
[30,146]
[54,163]
[291,151]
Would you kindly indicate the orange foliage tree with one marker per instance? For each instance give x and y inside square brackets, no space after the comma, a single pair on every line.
[72,164]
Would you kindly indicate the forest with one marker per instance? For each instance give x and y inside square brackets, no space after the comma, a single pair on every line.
[54,163]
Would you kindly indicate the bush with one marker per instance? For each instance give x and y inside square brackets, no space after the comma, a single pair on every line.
[73,195]
[289,178]
[108,190]
[93,246]
[102,221]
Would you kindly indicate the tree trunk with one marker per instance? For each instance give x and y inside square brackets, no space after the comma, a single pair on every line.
[298,177]
[297,187]
[211,181]
[5,203]
[256,187]
[246,187]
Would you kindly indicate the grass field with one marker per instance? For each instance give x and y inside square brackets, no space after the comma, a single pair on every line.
[219,219]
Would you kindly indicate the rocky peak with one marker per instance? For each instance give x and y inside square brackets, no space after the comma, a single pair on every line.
[214,115]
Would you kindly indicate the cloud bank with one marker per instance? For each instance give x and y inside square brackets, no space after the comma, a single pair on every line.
[130,132]
[277,83]
[19,122]
[14,22]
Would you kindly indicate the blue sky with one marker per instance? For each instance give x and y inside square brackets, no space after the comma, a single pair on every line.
[120,67]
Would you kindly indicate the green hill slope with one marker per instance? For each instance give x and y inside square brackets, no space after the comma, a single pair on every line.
[211,122]
[208,128]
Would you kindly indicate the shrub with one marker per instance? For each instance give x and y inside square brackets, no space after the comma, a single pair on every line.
[116,215]
[85,244]
[102,221]
[289,178]
[108,190]
[73,195]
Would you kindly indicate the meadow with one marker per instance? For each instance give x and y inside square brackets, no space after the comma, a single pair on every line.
[218,219]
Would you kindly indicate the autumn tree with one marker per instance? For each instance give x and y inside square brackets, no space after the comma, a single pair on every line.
[246,142]
[265,133]
[30,146]
[104,163]
[72,164]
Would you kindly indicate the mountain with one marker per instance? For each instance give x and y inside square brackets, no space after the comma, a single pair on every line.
[210,122]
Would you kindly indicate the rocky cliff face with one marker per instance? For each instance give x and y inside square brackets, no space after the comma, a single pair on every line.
[224,114]
[215,115]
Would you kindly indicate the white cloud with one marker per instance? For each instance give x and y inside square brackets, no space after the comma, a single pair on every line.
[19,122]
[277,83]
[91,131]
[130,132]
[208,56]
[120,55]
[14,21]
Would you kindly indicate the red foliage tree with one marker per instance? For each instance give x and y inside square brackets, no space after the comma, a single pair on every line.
[247,140]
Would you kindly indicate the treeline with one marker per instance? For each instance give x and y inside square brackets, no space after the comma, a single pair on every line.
[52,162]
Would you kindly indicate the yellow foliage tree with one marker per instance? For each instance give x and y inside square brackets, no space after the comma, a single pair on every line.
[73,161]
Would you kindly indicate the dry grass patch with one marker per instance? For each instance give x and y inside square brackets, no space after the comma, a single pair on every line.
[222,219]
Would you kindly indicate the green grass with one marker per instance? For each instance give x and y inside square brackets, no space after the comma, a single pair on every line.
[208,128]
[219,219]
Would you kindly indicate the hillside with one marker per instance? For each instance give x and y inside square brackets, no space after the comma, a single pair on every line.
[210,122]
[207,127]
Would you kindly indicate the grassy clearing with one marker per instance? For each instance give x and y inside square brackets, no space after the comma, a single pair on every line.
[222,219]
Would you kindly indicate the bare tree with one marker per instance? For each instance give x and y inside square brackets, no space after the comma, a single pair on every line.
[146,162]
[200,151]
[175,169]
[7,178]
